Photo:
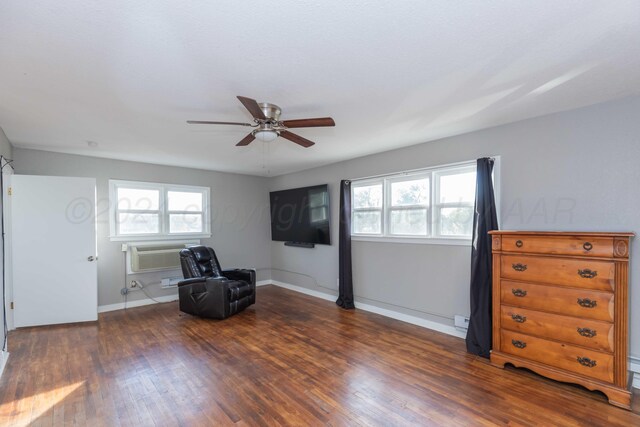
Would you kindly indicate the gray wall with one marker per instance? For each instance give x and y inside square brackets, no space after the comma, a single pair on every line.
[240,222]
[576,170]
[6,151]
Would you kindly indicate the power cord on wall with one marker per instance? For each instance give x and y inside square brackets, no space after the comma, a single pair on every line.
[7,162]
[142,287]
[443,316]
[315,281]
[137,284]
[124,253]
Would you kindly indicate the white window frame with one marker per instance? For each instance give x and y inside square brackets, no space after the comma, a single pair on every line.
[366,183]
[163,211]
[433,207]
[438,206]
[387,208]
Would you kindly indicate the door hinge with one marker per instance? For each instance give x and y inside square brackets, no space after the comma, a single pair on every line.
[11,305]
[10,191]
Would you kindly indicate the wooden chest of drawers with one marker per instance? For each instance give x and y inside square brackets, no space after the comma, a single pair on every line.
[560,307]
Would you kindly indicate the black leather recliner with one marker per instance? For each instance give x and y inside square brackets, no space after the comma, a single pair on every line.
[209,291]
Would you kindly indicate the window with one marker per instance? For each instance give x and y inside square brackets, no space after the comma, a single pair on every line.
[150,210]
[456,192]
[434,205]
[367,209]
[408,206]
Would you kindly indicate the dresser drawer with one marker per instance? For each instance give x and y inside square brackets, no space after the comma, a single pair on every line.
[559,245]
[596,305]
[594,334]
[585,362]
[583,273]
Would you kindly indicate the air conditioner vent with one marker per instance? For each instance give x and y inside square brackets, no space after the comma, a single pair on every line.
[146,257]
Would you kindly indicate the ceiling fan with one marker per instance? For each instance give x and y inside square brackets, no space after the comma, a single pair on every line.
[268,125]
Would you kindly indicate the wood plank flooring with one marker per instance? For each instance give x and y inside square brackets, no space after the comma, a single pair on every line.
[288,360]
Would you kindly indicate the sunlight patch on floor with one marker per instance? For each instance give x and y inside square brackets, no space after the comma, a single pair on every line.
[28,409]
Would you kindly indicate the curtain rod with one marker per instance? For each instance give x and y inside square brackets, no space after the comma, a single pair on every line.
[410,171]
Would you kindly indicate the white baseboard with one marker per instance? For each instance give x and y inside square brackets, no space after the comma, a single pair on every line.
[136,303]
[634,366]
[148,301]
[300,289]
[414,320]
[4,356]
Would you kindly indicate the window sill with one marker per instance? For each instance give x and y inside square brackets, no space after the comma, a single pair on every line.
[145,238]
[414,240]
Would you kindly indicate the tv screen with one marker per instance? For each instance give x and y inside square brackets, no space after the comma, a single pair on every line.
[301,215]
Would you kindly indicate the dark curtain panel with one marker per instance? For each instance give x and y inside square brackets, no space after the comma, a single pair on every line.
[484,220]
[345,286]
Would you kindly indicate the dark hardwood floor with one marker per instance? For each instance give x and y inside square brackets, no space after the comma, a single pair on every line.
[288,360]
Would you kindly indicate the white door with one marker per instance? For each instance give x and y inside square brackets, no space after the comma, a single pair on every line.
[53,250]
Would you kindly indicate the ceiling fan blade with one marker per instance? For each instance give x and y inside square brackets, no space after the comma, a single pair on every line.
[246,140]
[309,123]
[204,122]
[296,138]
[253,107]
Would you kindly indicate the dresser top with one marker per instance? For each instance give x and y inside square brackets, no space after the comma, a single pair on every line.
[565,233]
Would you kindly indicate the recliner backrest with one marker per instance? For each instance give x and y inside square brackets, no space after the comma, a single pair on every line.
[199,261]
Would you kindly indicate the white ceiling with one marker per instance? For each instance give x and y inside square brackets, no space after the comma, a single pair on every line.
[128,74]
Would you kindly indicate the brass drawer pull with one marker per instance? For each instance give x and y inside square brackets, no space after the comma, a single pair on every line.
[519,267]
[519,243]
[585,361]
[586,332]
[519,292]
[518,344]
[587,246]
[587,303]
[587,274]
[518,318]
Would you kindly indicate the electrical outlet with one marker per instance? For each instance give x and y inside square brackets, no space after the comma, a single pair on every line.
[133,283]
[123,248]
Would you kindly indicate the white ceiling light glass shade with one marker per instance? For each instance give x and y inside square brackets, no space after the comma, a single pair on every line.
[266,135]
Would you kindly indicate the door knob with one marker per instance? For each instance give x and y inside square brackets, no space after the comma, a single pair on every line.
[92,258]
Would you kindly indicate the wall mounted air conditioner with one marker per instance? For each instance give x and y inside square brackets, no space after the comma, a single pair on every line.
[145,257]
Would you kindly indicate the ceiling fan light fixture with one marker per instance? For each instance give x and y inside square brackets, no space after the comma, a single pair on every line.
[266,135]
[266,119]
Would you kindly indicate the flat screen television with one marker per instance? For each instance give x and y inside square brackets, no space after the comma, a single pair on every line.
[301,215]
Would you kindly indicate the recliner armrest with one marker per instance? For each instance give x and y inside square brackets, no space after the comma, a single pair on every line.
[245,274]
[204,280]
[192,280]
